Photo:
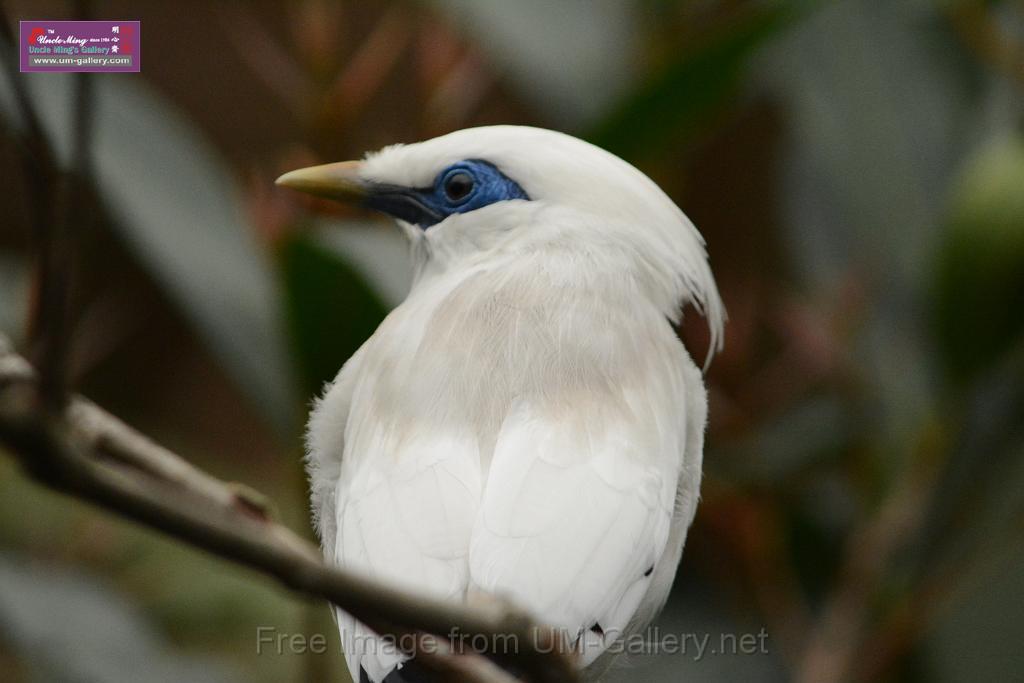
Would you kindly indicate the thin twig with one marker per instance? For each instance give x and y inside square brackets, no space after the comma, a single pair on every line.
[87,453]
[365,70]
[831,654]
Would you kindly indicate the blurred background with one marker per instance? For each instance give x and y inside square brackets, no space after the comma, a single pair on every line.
[857,168]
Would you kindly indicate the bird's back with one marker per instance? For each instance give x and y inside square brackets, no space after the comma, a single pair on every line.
[528,427]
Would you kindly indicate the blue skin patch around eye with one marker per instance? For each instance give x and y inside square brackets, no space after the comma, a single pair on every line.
[462,187]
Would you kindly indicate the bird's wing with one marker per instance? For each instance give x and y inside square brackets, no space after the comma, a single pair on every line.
[576,511]
[405,518]
[404,508]
[325,444]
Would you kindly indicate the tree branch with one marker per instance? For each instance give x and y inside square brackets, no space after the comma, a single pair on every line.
[84,451]
[71,445]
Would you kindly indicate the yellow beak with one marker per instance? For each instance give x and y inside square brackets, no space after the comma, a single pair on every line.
[334,181]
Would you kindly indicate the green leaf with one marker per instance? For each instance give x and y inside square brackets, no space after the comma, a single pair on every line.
[677,103]
[330,309]
[178,209]
[378,251]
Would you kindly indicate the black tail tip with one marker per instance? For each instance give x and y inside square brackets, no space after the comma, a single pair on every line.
[410,672]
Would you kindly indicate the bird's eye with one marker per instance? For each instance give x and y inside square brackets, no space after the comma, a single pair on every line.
[458,185]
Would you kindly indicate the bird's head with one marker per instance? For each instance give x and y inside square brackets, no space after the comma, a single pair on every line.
[497,189]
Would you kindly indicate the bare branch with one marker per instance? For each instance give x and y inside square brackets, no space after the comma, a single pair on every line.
[73,446]
[85,452]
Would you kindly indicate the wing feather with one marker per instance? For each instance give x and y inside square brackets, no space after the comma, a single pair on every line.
[573,516]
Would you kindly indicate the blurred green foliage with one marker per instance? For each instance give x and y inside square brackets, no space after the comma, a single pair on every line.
[677,103]
[316,281]
[979,293]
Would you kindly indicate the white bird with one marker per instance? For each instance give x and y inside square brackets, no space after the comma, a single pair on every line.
[526,423]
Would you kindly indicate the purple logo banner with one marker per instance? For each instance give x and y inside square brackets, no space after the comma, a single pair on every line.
[94,46]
